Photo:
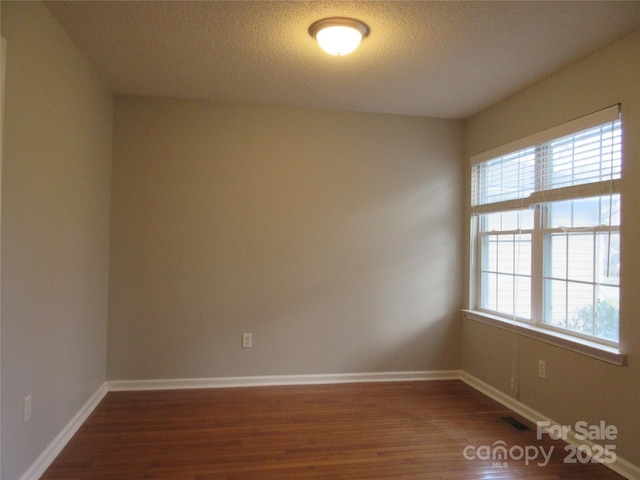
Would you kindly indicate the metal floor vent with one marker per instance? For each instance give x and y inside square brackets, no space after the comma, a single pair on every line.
[518,425]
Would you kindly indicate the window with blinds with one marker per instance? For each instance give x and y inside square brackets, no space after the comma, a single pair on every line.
[590,156]
[546,228]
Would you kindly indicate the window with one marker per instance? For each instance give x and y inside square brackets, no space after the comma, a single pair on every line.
[546,229]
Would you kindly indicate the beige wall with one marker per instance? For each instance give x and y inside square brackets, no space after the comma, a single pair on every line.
[55,220]
[333,237]
[577,388]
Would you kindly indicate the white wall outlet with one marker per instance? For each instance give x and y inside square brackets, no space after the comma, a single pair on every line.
[27,408]
[542,369]
[247,340]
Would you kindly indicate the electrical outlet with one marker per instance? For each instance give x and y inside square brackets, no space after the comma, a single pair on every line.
[247,340]
[542,369]
[27,408]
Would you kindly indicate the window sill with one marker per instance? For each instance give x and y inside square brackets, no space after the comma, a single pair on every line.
[584,347]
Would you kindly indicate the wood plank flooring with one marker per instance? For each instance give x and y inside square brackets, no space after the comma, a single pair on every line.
[394,431]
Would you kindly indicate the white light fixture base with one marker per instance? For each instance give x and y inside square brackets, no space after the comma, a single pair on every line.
[339,35]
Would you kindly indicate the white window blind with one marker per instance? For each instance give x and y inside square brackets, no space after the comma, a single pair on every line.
[553,168]
[509,177]
[589,156]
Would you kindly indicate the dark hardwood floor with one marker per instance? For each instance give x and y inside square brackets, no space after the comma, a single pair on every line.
[395,431]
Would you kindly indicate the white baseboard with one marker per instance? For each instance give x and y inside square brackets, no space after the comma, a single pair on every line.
[37,469]
[620,466]
[258,381]
[501,397]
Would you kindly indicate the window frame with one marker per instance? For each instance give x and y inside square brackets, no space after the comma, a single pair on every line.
[536,327]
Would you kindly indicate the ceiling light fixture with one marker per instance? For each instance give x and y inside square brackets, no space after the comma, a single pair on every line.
[339,35]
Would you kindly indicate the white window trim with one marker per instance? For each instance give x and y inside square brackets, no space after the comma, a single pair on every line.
[595,350]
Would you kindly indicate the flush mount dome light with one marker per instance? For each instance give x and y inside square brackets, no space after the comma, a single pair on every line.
[339,35]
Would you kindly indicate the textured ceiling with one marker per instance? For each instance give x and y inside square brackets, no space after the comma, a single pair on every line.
[438,59]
